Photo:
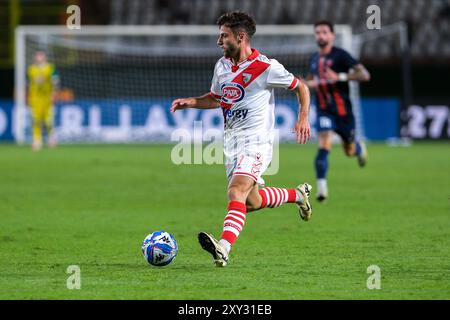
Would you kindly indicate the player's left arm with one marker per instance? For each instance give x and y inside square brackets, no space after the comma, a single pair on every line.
[302,127]
[355,69]
[357,73]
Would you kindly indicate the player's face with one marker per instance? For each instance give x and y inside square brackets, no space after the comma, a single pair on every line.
[228,42]
[40,58]
[324,36]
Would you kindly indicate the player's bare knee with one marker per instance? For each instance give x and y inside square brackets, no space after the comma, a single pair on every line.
[237,193]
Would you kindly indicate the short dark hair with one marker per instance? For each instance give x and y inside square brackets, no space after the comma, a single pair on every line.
[238,21]
[324,23]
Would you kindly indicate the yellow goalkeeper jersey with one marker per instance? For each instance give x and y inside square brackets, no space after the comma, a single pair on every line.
[41,81]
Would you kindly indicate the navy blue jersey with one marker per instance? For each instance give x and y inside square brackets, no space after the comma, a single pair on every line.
[332,98]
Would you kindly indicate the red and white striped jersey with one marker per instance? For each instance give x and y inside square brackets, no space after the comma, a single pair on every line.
[246,92]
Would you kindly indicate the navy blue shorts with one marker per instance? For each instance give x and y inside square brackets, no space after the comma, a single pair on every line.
[343,126]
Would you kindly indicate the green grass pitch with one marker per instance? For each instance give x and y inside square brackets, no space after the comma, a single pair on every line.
[92,206]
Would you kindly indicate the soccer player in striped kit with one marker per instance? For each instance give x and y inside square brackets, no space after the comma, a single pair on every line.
[243,86]
[330,70]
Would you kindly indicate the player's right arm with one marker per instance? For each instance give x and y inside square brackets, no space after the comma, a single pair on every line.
[206,101]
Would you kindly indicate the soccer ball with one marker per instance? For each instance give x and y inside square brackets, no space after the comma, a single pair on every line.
[159,248]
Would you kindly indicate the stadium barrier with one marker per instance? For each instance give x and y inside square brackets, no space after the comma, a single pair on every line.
[149,120]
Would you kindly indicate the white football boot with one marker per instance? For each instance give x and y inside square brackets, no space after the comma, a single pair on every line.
[304,207]
[210,244]
[362,158]
[322,190]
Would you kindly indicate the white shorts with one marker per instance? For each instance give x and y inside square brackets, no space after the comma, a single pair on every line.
[249,157]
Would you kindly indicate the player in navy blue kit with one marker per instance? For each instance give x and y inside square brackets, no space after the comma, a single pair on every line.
[330,69]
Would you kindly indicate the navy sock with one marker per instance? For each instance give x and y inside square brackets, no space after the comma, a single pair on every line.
[358,149]
[321,163]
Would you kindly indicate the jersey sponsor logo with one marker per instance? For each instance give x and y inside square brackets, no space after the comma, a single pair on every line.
[240,114]
[232,93]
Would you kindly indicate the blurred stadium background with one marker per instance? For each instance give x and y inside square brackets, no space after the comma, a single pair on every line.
[92,205]
[408,93]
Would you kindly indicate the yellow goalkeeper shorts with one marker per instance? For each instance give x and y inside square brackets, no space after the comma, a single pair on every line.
[42,113]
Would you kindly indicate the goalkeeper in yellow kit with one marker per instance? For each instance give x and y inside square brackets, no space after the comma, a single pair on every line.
[42,85]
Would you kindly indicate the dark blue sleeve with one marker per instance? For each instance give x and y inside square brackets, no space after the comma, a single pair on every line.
[347,60]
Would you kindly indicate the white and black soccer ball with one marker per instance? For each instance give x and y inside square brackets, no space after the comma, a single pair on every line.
[159,248]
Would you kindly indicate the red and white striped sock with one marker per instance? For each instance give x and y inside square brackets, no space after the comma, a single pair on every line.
[275,197]
[234,221]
